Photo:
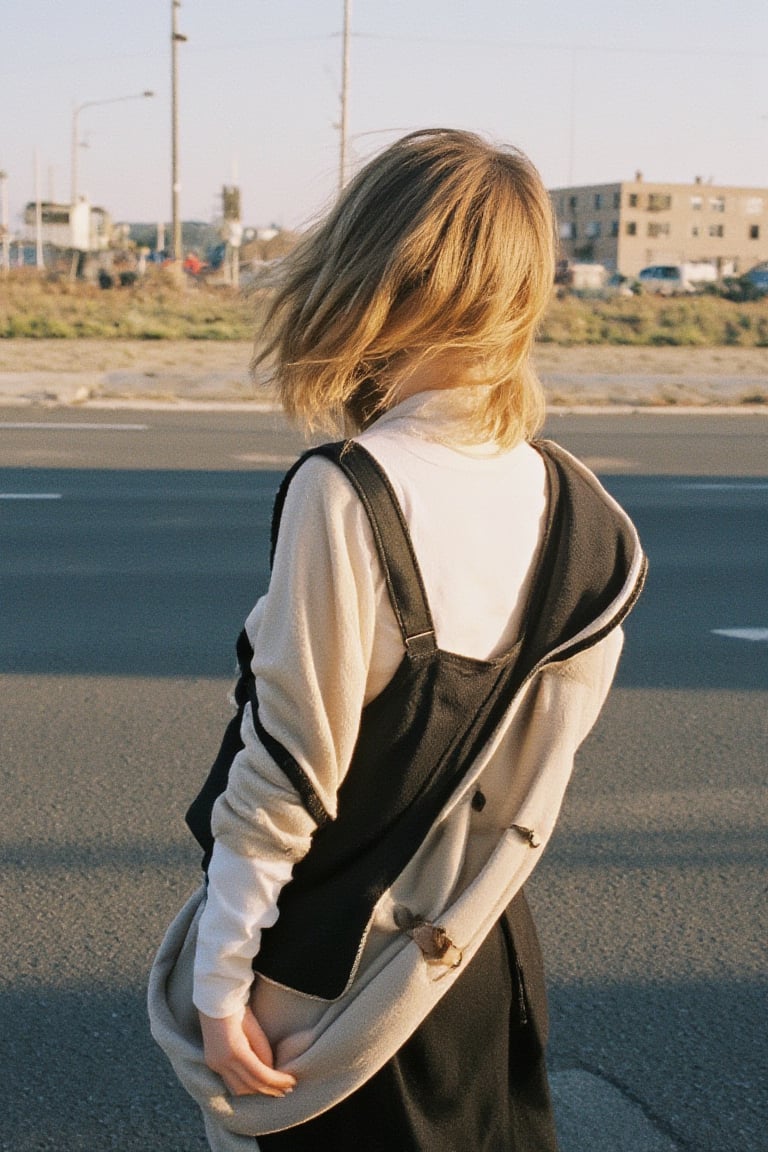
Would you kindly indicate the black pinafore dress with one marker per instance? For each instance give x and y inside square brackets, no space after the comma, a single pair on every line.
[472,1077]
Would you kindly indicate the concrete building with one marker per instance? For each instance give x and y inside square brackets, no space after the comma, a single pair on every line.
[633,224]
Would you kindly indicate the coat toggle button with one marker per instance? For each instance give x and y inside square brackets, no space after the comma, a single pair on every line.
[435,943]
[529,834]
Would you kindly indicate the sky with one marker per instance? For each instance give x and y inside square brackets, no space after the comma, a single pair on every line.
[592,90]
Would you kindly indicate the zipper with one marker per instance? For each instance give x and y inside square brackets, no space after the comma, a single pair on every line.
[522,1008]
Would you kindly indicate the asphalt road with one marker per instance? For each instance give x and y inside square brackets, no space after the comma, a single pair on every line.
[128,557]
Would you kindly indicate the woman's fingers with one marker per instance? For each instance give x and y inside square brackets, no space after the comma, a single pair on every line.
[257,1039]
[240,1082]
[243,1073]
[237,1049]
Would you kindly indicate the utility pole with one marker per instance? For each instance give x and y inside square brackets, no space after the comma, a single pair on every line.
[4,233]
[343,127]
[176,39]
[572,118]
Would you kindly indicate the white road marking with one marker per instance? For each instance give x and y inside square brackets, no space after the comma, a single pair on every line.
[61,426]
[30,495]
[617,463]
[276,461]
[742,633]
[722,486]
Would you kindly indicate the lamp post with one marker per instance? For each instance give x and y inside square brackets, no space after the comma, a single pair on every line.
[176,39]
[75,132]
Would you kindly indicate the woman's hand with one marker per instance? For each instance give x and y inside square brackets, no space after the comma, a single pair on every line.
[238,1050]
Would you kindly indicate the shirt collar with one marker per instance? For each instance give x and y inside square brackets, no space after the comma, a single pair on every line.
[437,415]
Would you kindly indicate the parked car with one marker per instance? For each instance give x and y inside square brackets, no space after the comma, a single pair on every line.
[669,279]
[752,285]
[758,278]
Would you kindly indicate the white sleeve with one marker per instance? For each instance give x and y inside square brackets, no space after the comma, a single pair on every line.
[312,646]
[242,900]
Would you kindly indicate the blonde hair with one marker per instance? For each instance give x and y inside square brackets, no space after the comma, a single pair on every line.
[441,244]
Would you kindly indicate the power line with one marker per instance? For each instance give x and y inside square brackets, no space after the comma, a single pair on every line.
[549,46]
[383,37]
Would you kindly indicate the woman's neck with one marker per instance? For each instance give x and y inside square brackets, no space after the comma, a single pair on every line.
[447,370]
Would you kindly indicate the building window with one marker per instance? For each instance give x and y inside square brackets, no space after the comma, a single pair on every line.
[617,200]
[659,202]
[717,203]
[658,229]
[598,200]
[695,230]
[631,228]
[716,230]
[754,231]
[567,230]
[594,229]
[49,214]
[633,199]
[573,202]
[753,205]
[614,227]
[697,203]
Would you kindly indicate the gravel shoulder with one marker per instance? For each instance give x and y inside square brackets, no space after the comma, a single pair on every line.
[91,372]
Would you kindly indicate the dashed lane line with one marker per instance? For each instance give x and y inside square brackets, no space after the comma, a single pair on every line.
[725,486]
[68,426]
[30,495]
[753,634]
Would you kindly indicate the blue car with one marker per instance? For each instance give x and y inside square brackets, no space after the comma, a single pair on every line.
[758,277]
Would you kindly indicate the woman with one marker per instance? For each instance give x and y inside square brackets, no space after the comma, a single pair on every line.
[441,628]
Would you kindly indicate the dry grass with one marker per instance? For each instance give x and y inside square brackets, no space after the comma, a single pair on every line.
[657,322]
[153,309]
[196,342]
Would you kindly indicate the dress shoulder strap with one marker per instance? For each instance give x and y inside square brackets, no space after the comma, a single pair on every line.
[390,532]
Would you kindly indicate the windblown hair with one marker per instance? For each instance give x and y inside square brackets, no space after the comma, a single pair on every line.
[442,243]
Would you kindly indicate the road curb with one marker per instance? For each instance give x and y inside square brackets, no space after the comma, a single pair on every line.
[191,389]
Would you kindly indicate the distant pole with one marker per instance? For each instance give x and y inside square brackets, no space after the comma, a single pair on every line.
[343,127]
[39,261]
[237,231]
[176,39]
[4,222]
[572,119]
[74,156]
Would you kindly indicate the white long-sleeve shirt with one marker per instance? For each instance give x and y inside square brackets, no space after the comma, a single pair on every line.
[326,642]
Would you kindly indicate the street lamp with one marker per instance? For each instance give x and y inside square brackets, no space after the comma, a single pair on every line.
[75,132]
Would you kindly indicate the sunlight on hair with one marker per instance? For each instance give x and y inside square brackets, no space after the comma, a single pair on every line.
[440,249]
